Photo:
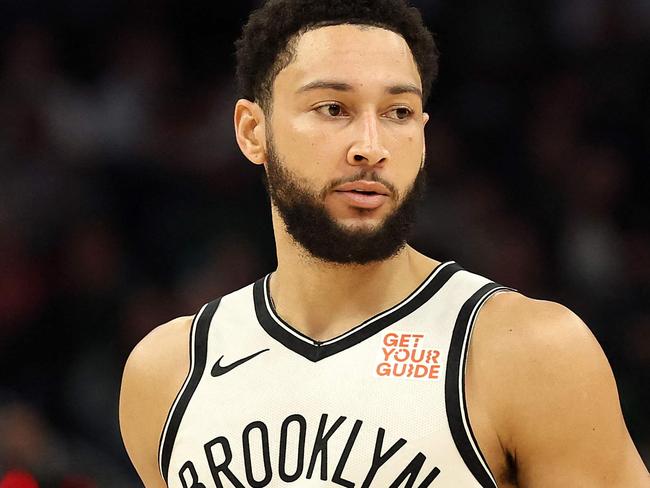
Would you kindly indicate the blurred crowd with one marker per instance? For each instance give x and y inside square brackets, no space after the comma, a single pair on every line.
[124,200]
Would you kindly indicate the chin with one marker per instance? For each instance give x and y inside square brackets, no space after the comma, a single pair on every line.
[360,216]
[367,224]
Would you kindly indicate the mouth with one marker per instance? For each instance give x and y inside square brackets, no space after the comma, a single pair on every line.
[367,195]
[364,187]
[362,192]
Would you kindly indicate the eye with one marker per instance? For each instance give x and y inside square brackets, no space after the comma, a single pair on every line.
[400,113]
[331,109]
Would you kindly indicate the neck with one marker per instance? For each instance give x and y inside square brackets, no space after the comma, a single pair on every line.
[323,300]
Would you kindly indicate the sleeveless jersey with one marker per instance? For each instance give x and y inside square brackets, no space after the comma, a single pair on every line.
[382,405]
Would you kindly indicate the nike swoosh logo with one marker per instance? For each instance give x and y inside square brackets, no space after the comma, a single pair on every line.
[218,370]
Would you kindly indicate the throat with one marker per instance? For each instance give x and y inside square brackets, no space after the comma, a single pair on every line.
[320,324]
[323,302]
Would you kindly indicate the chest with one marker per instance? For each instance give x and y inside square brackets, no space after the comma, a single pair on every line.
[380,406]
[372,413]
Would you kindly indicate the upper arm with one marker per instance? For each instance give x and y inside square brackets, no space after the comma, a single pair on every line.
[558,409]
[153,375]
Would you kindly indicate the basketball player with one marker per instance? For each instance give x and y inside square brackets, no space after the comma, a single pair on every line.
[360,362]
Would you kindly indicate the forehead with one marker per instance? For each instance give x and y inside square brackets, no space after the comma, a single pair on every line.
[355,54]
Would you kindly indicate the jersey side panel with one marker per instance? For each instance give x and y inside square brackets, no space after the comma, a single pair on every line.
[457,413]
[198,357]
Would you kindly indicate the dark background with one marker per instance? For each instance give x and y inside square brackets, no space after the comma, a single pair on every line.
[124,200]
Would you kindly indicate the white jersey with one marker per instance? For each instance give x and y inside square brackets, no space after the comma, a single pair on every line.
[382,405]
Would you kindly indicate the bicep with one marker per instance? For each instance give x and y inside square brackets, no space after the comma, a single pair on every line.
[138,426]
[570,429]
[153,374]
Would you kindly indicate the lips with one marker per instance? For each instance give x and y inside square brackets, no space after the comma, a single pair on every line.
[363,186]
[363,194]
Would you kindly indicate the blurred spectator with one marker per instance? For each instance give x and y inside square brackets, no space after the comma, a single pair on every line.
[28,444]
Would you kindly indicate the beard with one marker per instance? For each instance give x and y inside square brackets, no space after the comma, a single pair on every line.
[310,225]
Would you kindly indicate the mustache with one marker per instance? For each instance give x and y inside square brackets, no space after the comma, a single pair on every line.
[361,176]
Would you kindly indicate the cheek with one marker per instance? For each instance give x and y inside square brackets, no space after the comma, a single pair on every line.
[408,156]
[309,144]
[406,145]
[404,139]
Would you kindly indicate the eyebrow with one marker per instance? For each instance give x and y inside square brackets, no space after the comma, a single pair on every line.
[346,87]
[408,88]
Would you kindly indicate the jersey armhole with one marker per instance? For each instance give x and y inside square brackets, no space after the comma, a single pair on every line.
[198,345]
[456,404]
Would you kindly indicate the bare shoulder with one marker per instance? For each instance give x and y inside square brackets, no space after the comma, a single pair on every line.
[539,347]
[153,375]
[525,330]
[552,397]
[164,347]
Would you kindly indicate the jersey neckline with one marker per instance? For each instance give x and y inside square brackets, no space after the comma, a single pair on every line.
[314,350]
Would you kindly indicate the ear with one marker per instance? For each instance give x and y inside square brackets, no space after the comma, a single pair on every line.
[250,130]
[425,119]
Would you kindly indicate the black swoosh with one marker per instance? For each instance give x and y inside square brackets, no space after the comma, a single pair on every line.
[218,370]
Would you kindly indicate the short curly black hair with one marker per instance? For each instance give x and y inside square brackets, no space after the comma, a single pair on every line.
[268,40]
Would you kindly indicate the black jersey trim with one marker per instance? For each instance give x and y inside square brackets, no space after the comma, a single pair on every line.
[198,355]
[459,424]
[315,350]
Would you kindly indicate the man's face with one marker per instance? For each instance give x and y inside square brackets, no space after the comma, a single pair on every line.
[346,137]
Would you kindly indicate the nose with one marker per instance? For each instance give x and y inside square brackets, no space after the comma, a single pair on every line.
[367,148]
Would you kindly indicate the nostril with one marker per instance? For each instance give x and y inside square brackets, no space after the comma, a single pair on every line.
[358,157]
